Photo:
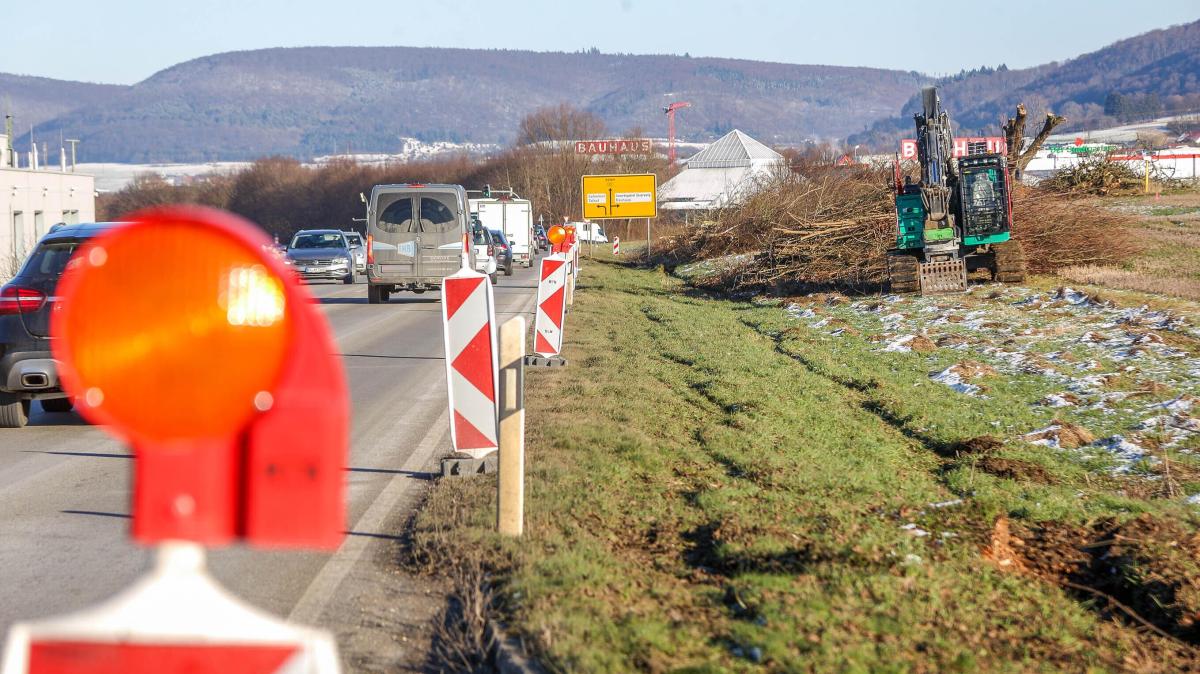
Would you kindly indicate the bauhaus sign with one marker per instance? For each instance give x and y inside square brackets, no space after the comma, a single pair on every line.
[622,146]
[963,146]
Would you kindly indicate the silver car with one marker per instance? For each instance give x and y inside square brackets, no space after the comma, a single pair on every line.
[321,254]
[358,247]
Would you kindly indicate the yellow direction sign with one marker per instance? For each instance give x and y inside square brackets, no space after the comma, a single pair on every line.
[632,195]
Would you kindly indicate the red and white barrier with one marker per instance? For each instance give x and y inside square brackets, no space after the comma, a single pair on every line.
[616,245]
[469,320]
[175,620]
[551,306]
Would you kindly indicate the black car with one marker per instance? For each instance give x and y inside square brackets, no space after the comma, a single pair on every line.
[28,371]
[503,251]
[539,234]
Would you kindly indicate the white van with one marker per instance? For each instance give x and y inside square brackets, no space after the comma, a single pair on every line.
[513,216]
[590,232]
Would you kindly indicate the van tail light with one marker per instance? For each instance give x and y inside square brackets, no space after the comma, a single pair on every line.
[491,250]
[17,300]
[370,249]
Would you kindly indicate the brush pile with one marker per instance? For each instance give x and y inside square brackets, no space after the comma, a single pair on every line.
[831,226]
[1095,176]
[1062,230]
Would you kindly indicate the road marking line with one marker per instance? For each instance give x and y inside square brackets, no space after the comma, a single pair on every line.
[321,590]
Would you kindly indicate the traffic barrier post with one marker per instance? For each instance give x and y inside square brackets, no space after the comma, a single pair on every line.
[616,245]
[252,448]
[469,330]
[510,511]
[550,315]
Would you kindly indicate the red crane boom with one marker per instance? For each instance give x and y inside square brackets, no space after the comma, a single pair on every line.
[670,110]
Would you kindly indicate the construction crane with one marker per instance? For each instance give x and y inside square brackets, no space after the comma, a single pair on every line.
[670,110]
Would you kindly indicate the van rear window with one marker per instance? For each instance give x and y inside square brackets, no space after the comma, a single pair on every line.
[397,217]
[436,216]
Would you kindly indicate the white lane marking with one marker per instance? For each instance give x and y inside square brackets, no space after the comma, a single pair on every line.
[321,590]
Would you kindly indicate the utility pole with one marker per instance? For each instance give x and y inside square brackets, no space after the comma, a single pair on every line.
[73,142]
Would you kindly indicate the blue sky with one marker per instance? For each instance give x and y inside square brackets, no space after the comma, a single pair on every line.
[124,41]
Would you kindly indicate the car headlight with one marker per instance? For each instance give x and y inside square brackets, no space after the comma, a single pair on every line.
[288,261]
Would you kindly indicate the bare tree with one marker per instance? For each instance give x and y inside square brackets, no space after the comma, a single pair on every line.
[1014,135]
[558,123]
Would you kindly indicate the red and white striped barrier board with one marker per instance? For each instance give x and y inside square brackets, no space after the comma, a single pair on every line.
[176,620]
[616,245]
[551,306]
[469,319]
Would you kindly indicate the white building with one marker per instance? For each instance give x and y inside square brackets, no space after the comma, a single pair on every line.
[34,198]
[721,174]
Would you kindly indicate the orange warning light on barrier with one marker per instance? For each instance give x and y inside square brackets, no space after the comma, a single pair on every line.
[172,355]
[218,371]
[556,234]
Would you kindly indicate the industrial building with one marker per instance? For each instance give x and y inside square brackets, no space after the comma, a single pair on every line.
[33,198]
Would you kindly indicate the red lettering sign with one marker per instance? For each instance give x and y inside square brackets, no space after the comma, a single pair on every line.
[621,146]
[962,146]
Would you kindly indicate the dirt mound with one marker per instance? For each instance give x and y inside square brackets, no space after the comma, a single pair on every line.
[972,369]
[982,444]
[922,344]
[1144,571]
[1016,469]
[1062,434]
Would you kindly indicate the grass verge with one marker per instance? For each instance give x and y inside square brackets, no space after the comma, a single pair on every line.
[714,485]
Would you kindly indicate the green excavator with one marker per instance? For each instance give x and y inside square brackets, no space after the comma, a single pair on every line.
[957,219]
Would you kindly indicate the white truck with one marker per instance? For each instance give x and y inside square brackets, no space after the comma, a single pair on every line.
[590,232]
[512,215]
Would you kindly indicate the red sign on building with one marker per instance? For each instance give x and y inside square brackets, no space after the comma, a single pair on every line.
[963,146]
[623,146]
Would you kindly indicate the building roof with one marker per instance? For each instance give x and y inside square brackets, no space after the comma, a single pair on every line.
[733,149]
[720,174]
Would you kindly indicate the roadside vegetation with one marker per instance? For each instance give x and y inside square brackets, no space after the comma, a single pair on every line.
[1000,481]
[282,196]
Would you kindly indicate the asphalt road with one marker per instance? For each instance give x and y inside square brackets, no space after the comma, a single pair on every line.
[64,486]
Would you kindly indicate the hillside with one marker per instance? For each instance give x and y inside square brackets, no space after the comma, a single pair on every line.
[1152,74]
[317,100]
[314,101]
[33,100]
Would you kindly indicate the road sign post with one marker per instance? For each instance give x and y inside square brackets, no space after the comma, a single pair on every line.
[510,510]
[252,445]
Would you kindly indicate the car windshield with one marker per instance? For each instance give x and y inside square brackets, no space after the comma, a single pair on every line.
[49,260]
[354,239]
[318,240]
[479,236]
[497,237]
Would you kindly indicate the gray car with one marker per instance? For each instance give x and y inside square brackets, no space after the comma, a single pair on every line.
[321,254]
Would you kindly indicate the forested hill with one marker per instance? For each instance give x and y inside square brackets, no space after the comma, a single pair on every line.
[306,101]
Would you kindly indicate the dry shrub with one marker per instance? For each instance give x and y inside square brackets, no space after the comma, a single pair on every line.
[834,225]
[1061,230]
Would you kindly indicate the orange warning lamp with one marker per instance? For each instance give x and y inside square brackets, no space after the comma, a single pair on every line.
[191,353]
[556,234]
[217,370]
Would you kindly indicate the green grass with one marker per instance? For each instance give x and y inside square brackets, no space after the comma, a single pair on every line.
[717,486]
